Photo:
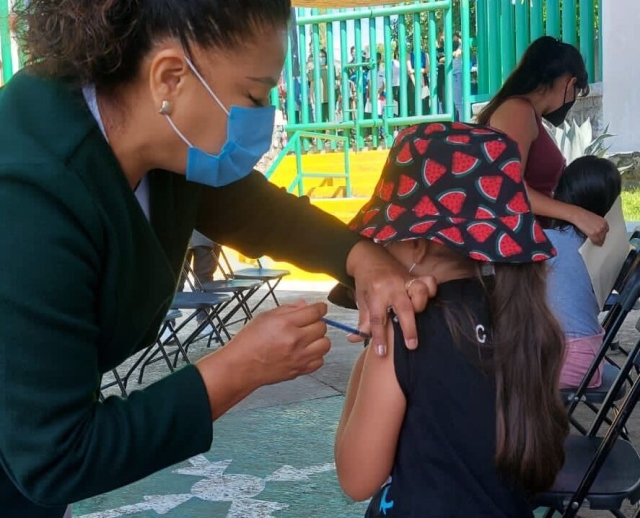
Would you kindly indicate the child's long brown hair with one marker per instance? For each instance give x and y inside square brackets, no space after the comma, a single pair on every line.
[528,351]
[526,355]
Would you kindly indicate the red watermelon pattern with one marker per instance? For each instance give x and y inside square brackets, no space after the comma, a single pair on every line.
[459,139]
[493,149]
[386,191]
[458,185]
[421,145]
[394,212]
[453,200]
[490,186]
[538,234]
[435,127]
[485,213]
[507,247]
[425,207]
[452,234]
[407,186]
[404,156]
[481,231]
[433,171]
[462,164]
[513,170]
[513,222]
[518,204]
[423,227]
[386,233]
[479,256]
[369,232]
[369,215]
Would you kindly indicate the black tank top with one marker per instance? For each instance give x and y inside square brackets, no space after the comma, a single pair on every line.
[444,464]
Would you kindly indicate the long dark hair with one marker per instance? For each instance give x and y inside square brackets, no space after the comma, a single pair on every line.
[544,61]
[103,42]
[591,183]
[525,353]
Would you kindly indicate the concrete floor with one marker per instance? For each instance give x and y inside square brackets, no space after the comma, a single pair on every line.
[272,455]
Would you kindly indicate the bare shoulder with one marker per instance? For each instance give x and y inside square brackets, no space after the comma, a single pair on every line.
[516,113]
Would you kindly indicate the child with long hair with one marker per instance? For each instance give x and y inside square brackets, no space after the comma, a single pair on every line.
[471,423]
[594,184]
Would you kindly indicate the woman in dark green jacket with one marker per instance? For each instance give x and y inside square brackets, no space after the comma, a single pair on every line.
[139,121]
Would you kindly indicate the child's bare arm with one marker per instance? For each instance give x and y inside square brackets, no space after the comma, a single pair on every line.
[368,433]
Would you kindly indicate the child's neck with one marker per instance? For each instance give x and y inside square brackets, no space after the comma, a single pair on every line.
[445,269]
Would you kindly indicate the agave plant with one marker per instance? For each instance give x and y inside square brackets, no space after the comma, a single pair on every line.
[576,140]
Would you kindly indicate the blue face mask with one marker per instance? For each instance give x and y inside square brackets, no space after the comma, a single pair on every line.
[249,133]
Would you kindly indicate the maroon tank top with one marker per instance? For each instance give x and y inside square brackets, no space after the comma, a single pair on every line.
[545,162]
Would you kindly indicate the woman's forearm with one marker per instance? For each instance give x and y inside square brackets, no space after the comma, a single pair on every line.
[543,205]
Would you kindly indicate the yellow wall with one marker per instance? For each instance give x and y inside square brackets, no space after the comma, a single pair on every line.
[365,171]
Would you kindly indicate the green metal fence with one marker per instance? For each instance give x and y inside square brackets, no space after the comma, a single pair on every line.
[365,99]
[493,33]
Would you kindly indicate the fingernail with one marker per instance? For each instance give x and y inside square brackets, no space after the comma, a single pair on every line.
[412,344]
[381,350]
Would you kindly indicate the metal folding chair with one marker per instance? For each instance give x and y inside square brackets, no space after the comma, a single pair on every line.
[167,336]
[269,277]
[240,290]
[602,472]
[605,396]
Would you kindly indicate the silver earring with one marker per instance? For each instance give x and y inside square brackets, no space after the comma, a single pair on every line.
[165,109]
[413,267]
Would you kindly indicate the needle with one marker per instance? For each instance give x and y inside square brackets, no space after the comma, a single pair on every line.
[343,327]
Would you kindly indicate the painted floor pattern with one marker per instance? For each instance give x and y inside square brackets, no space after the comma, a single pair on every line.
[271,462]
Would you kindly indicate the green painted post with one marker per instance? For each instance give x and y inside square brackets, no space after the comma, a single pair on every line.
[465,26]
[600,42]
[522,28]
[5,41]
[290,82]
[304,81]
[494,63]
[299,166]
[433,61]
[344,59]
[373,81]
[402,56]
[448,62]
[359,82]
[416,61]
[553,18]
[537,20]
[587,35]
[331,77]
[388,79]
[482,42]
[508,47]
[316,77]
[569,12]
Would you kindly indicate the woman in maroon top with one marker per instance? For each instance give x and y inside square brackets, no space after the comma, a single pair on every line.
[546,82]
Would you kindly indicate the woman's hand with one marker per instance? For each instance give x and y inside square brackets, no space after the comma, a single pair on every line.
[591,225]
[382,284]
[275,346]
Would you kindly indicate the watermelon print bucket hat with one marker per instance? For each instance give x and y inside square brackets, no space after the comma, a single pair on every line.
[459,185]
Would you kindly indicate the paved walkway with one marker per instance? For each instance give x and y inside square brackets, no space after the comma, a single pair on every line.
[272,455]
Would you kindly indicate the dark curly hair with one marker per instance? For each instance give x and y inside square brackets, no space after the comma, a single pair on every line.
[103,42]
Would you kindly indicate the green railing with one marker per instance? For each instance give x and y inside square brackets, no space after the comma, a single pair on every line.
[494,35]
[295,146]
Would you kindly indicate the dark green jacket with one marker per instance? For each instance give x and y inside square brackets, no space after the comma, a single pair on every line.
[85,282]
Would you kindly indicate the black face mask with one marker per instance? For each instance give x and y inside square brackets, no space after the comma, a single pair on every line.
[557,117]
